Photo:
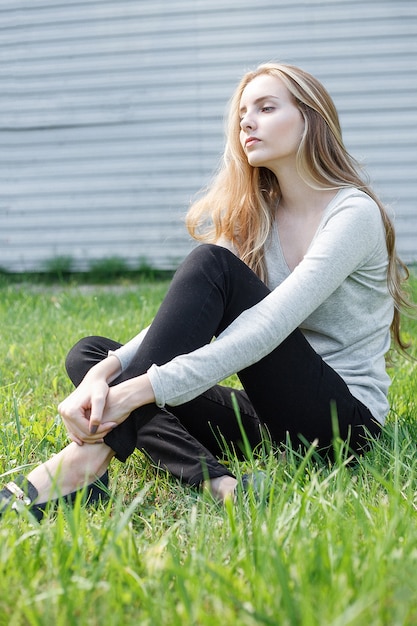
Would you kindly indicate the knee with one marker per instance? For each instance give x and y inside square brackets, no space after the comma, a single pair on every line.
[85,353]
[75,356]
[83,345]
[210,253]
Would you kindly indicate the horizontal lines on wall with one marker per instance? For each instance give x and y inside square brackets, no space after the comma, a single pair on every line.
[111,112]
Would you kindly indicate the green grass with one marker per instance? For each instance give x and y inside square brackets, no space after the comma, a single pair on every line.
[333,545]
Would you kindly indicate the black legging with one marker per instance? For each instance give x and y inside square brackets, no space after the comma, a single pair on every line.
[290,391]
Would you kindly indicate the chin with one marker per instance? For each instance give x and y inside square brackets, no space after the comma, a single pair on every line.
[252,160]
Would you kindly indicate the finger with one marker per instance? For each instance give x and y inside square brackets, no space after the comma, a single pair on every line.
[102,431]
[97,407]
[106,428]
[92,440]
[75,439]
[102,428]
[76,429]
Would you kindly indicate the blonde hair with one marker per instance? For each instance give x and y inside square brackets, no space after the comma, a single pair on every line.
[240,203]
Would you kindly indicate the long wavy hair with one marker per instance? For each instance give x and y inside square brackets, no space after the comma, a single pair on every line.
[241,201]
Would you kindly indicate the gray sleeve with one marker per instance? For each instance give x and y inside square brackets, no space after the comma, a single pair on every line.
[126,353]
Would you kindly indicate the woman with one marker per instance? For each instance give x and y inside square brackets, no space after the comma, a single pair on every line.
[298,280]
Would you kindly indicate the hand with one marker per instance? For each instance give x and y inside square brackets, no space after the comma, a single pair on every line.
[83,409]
[121,400]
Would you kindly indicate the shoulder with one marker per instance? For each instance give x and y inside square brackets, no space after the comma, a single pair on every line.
[353,211]
[356,203]
[352,223]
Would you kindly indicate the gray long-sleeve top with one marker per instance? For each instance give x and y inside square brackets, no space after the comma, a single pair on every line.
[337,296]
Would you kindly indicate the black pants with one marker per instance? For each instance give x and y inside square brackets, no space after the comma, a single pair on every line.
[290,391]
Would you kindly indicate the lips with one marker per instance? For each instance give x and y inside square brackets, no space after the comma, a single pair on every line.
[251,141]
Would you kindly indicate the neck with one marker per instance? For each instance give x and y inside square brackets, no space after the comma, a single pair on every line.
[299,198]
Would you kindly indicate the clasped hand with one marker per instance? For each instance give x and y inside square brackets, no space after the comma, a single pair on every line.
[93,409]
[90,412]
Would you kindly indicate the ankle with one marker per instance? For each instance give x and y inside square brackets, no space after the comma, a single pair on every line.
[69,470]
[221,487]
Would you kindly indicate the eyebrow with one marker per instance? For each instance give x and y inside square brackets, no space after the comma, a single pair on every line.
[259,100]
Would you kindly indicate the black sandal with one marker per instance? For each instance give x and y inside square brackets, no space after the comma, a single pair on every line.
[20,494]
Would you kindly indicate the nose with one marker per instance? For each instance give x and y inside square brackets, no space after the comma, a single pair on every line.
[247,122]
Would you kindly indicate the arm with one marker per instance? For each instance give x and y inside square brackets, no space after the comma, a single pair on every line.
[350,234]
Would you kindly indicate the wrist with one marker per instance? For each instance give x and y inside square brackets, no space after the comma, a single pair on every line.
[136,392]
[108,369]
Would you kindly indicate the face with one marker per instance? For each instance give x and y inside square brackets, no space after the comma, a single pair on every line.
[271,124]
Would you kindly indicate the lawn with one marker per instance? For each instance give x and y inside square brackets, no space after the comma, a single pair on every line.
[332,545]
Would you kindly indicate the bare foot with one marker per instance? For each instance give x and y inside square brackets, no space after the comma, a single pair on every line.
[71,469]
[222,487]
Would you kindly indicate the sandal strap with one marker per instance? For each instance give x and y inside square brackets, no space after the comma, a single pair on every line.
[18,491]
